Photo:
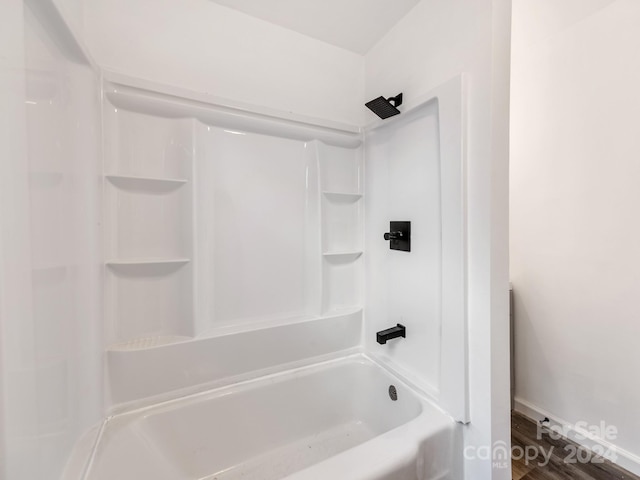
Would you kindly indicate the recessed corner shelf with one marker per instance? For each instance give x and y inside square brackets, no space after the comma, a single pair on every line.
[147,183]
[147,261]
[342,196]
[354,253]
[147,342]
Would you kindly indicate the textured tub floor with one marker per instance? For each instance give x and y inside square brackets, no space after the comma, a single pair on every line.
[301,454]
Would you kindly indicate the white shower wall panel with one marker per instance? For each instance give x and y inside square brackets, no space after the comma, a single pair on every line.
[149,301]
[341,169]
[416,172]
[50,275]
[403,184]
[62,115]
[343,222]
[226,231]
[148,219]
[138,144]
[342,282]
[259,209]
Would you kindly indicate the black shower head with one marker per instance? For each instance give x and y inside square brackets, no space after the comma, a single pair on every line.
[385,107]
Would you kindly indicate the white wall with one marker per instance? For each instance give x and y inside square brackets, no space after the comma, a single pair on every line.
[574,211]
[202,46]
[433,43]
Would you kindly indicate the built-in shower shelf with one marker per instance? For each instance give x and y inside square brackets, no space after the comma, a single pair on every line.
[147,262]
[347,254]
[147,342]
[130,182]
[342,196]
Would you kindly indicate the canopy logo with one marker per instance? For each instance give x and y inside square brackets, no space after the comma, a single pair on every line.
[501,456]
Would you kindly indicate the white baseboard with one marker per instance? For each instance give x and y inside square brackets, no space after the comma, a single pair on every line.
[623,458]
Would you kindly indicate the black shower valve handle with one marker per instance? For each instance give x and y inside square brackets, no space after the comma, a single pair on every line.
[399,236]
[392,235]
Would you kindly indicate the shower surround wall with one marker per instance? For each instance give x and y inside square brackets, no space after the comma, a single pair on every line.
[415,172]
[50,299]
[248,232]
[148,227]
[217,226]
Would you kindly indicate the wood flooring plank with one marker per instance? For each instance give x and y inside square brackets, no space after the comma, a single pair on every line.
[538,474]
[525,435]
[519,469]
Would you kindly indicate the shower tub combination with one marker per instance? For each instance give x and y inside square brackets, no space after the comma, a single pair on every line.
[203,385]
[343,419]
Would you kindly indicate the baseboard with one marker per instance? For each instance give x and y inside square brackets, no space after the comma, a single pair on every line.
[623,458]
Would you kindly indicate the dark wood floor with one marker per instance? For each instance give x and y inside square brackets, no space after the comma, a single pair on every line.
[561,465]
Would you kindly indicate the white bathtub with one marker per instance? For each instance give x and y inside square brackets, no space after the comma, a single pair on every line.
[329,421]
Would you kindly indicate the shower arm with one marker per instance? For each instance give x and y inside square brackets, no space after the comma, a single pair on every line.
[397,100]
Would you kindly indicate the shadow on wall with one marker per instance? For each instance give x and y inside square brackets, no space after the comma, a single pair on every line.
[529,342]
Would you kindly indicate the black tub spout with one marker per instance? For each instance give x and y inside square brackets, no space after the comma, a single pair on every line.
[389,333]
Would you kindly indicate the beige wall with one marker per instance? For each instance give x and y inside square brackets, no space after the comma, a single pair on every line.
[575,229]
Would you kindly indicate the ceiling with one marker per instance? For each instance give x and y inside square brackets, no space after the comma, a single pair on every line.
[354,25]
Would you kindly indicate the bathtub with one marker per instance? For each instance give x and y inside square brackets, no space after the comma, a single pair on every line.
[335,420]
